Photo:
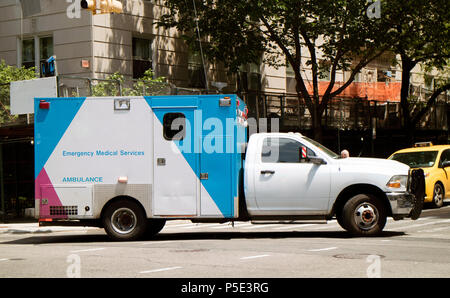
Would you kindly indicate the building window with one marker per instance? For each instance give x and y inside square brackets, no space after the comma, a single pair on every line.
[195,70]
[384,75]
[324,70]
[142,56]
[45,49]
[28,53]
[250,77]
[45,52]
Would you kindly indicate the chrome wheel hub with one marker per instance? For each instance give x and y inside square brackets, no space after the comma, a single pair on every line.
[366,216]
[438,195]
[123,220]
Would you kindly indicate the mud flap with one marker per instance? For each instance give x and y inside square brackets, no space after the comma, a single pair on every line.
[417,188]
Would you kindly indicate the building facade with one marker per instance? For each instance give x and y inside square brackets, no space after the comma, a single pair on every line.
[96,46]
[88,48]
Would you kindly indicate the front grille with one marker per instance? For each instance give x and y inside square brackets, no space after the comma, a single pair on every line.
[408,183]
[63,210]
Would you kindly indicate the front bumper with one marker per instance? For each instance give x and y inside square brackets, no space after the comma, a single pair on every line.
[402,203]
[410,202]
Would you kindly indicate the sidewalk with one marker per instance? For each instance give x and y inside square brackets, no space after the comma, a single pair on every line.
[34,228]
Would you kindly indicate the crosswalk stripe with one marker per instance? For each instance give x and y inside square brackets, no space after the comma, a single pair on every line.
[297,226]
[423,224]
[329,225]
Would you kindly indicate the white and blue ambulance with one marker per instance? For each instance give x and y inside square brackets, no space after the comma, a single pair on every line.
[128,164]
[165,156]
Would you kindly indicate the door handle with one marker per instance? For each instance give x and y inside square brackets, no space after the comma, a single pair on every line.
[267,172]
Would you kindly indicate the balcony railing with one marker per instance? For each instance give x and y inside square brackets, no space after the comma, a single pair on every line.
[341,113]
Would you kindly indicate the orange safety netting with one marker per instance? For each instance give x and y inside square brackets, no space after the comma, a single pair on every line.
[379,91]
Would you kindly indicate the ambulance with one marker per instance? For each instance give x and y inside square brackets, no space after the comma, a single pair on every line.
[129,164]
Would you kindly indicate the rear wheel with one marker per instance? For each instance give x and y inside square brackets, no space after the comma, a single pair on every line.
[438,195]
[364,215]
[124,220]
[154,226]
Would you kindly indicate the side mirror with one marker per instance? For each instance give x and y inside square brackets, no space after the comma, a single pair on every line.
[446,164]
[317,161]
[304,157]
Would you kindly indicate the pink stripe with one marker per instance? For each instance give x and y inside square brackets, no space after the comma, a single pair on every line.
[44,190]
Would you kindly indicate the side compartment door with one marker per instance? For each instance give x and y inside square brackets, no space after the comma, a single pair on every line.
[216,177]
[175,164]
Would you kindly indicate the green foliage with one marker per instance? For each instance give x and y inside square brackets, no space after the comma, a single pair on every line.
[114,85]
[283,32]
[10,74]
[333,36]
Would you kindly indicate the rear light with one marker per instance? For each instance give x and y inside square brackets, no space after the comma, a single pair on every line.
[44,105]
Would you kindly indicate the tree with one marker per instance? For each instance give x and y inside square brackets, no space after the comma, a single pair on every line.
[10,74]
[337,35]
[147,85]
[422,37]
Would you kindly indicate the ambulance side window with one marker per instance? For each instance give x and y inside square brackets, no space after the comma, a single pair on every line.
[174,126]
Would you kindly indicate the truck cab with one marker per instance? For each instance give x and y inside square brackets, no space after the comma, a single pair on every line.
[289,176]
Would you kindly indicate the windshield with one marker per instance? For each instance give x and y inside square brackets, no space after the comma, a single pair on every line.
[322,147]
[420,159]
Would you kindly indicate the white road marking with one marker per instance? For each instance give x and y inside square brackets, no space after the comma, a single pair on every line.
[424,224]
[435,229]
[323,249]
[202,226]
[90,249]
[161,269]
[294,226]
[179,225]
[3,260]
[254,257]
[259,226]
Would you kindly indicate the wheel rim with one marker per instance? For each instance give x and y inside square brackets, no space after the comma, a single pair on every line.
[366,216]
[123,220]
[438,195]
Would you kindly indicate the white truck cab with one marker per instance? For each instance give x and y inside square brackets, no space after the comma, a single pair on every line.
[290,176]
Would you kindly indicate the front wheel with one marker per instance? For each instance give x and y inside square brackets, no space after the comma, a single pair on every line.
[438,195]
[364,215]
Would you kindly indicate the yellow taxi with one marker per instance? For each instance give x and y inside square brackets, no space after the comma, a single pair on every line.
[435,162]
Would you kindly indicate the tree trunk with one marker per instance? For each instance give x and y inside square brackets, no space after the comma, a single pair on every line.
[407,66]
[316,124]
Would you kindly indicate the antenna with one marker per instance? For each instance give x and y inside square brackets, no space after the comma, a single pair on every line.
[200,44]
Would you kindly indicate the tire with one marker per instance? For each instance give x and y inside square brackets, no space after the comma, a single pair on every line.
[438,195]
[124,220]
[364,215]
[340,219]
[154,226]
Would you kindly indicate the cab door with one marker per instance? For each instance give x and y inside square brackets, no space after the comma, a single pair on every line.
[445,171]
[286,183]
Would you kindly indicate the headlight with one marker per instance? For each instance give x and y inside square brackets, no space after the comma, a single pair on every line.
[398,181]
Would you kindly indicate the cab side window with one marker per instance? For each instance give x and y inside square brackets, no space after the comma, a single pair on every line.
[282,150]
[445,157]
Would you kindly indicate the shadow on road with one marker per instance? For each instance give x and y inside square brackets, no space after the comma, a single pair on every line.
[89,238]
